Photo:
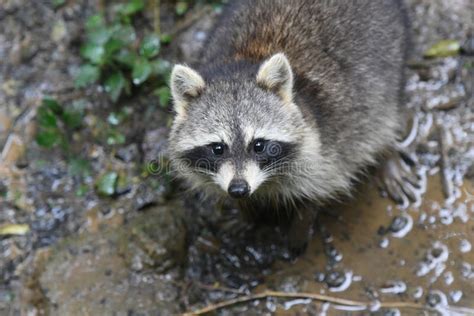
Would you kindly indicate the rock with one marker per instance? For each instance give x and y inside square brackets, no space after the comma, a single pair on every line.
[5,122]
[155,144]
[59,31]
[96,268]
[128,153]
[192,40]
[157,238]
[468,46]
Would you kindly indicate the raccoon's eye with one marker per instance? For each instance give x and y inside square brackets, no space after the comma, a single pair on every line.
[259,146]
[217,148]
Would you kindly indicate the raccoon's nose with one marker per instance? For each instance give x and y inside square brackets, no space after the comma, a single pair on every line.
[238,188]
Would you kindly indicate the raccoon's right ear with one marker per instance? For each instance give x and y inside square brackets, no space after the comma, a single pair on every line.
[186,84]
[275,74]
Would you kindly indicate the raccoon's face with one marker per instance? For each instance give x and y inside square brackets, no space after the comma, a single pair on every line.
[235,131]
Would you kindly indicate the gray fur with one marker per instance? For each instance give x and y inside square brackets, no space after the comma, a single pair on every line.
[347,61]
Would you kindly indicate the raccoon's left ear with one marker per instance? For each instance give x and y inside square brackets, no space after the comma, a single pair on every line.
[275,74]
[186,84]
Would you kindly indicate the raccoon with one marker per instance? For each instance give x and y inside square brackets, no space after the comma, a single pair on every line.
[291,99]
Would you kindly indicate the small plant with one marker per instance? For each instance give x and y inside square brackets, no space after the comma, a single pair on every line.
[118,58]
[56,123]
[112,132]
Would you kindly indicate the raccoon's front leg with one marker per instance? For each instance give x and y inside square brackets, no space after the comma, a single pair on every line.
[402,178]
[300,230]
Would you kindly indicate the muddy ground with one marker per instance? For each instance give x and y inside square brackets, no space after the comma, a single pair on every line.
[151,249]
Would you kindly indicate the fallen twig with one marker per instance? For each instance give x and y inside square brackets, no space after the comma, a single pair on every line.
[156,16]
[190,20]
[445,142]
[219,288]
[313,296]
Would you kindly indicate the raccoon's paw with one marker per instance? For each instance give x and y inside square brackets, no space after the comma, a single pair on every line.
[297,246]
[403,179]
[300,231]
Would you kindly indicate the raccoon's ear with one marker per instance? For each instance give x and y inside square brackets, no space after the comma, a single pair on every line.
[186,84]
[275,74]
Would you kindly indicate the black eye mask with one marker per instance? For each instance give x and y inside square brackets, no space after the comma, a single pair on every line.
[268,154]
[208,157]
[273,154]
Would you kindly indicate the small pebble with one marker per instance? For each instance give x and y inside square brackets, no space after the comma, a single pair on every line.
[468,46]
[455,296]
[384,242]
[332,253]
[448,278]
[418,292]
[436,298]
[398,223]
[335,278]
[465,246]
[433,299]
[319,277]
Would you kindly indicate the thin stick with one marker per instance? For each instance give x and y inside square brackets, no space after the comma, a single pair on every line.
[313,296]
[101,6]
[188,21]
[156,16]
[219,288]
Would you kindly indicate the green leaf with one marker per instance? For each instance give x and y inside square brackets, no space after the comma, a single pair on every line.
[112,46]
[181,7]
[114,118]
[161,67]
[95,22]
[164,95]
[124,33]
[115,138]
[3,192]
[72,119]
[48,138]
[126,58]
[79,167]
[114,85]
[99,36]
[58,3]
[93,52]
[141,71]
[131,7]
[82,190]
[106,184]
[166,38]
[150,46]
[79,105]
[86,75]
[443,48]
[218,6]
[52,104]
[46,118]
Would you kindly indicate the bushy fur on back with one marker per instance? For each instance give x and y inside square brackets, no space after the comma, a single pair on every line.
[322,79]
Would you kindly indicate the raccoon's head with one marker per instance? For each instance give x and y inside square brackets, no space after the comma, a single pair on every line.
[236,126]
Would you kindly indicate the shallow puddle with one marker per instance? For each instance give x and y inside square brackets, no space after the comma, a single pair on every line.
[387,254]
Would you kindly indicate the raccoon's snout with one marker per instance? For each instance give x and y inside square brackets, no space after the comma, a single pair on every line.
[238,188]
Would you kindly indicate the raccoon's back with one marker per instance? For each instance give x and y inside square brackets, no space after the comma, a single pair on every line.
[347,58]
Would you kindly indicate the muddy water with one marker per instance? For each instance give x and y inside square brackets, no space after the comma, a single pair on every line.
[382,262]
